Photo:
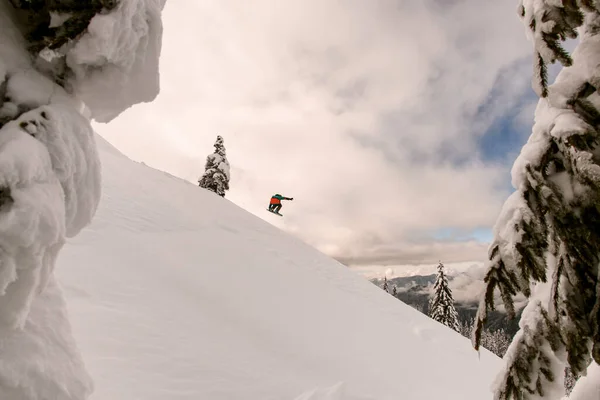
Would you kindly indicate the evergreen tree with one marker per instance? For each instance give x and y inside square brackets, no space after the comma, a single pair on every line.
[216,175]
[547,237]
[466,327]
[441,306]
[385,284]
[495,341]
[394,291]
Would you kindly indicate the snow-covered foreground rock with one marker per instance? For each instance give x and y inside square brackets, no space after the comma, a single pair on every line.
[176,293]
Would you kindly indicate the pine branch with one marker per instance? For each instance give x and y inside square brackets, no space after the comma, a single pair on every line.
[497,276]
[572,16]
[590,5]
[586,109]
[519,379]
[540,76]
[552,41]
[565,18]
[555,294]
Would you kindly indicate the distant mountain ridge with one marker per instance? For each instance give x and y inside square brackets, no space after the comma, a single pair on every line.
[413,290]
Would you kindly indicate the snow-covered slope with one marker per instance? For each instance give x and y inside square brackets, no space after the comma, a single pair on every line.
[176,293]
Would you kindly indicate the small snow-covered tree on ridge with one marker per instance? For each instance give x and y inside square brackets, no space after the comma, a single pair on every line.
[547,238]
[495,341]
[441,306]
[385,284]
[216,175]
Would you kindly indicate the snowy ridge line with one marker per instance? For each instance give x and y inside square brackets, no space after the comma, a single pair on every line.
[222,305]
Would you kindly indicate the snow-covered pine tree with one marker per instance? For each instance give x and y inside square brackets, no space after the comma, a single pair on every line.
[547,237]
[56,74]
[394,291]
[441,306]
[466,327]
[385,284]
[495,341]
[216,175]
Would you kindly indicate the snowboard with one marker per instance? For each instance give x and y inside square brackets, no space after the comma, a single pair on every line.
[273,212]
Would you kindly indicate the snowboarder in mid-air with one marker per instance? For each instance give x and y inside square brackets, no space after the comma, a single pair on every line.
[275,204]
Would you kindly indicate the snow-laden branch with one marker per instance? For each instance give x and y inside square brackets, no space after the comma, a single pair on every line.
[115,64]
[547,237]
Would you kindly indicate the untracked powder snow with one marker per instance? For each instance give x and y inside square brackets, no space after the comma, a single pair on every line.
[176,293]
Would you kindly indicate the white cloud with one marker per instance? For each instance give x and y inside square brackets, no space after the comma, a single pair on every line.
[367,113]
[426,253]
[403,270]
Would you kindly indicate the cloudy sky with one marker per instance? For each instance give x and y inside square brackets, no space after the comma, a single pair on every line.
[393,123]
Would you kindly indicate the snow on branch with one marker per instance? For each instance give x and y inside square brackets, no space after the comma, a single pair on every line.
[546,240]
[115,64]
[50,175]
[105,52]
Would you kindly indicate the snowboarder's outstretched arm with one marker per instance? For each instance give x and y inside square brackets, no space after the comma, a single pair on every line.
[287,198]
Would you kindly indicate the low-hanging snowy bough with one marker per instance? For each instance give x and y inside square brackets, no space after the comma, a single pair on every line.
[547,237]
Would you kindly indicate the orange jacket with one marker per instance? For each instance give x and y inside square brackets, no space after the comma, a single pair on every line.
[276,199]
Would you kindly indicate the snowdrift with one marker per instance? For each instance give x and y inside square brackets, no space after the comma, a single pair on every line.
[176,293]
